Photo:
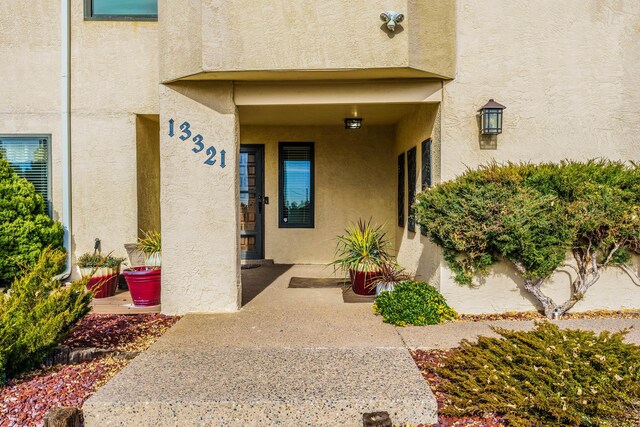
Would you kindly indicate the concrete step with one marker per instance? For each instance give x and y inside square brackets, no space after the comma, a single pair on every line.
[263,387]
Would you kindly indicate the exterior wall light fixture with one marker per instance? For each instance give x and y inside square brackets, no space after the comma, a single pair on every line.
[352,123]
[491,118]
[392,18]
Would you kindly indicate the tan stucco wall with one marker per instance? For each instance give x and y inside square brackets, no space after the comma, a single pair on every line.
[354,178]
[199,202]
[567,71]
[568,74]
[305,35]
[148,176]
[114,77]
[415,252]
[29,94]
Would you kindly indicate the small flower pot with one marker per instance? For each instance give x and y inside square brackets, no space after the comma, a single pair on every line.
[144,285]
[102,283]
[384,287]
[362,281]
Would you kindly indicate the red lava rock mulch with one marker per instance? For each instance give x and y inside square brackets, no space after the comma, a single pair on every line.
[534,315]
[25,400]
[118,332]
[428,361]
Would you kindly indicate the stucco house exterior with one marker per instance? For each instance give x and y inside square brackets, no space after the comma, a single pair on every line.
[222,123]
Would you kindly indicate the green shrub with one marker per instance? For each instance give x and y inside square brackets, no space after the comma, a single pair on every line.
[25,228]
[413,303]
[37,312]
[547,376]
[533,216]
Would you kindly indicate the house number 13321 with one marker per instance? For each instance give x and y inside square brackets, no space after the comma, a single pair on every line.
[185,133]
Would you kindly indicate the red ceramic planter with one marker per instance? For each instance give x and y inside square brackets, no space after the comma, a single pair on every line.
[361,281]
[103,286]
[144,285]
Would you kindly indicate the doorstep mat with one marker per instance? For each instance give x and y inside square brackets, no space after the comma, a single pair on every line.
[349,296]
[316,282]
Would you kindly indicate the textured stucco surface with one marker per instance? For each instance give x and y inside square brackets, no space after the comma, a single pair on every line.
[114,77]
[354,178]
[568,74]
[414,251]
[199,202]
[305,35]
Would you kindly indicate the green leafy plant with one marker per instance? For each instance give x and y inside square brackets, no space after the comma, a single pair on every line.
[25,228]
[150,243]
[533,216]
[413,303]
[37,312]
[363,247]
[547,376]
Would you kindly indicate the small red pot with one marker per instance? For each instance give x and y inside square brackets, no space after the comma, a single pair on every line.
[103,286]
[144,285]
[362,281]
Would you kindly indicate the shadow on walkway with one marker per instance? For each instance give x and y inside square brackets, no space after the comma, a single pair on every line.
[256,280]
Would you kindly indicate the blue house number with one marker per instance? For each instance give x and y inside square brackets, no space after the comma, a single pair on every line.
[186,133]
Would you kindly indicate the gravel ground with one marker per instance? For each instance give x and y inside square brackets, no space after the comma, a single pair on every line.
[25,400]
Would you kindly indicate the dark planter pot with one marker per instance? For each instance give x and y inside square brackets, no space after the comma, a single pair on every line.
[144,285]
[362,281]
[103,286]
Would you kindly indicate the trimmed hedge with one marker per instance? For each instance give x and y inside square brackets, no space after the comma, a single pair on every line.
[25,228]
[37,312]
[413,303]
[546,377]
[533,216]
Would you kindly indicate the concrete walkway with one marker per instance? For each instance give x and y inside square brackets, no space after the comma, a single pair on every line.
[291,357]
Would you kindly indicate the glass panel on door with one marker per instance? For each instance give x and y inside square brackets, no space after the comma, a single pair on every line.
[251,202]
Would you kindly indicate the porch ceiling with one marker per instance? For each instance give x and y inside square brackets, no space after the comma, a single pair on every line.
[322,115]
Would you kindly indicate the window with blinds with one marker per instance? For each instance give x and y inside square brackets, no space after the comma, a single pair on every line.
[296,185]
[29,157]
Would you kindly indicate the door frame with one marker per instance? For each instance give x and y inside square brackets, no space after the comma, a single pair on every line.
[259,192]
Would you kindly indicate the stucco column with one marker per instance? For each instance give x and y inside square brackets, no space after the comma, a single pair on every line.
[199,147]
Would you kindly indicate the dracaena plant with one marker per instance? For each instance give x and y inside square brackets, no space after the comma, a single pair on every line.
[363,247]
[390,274]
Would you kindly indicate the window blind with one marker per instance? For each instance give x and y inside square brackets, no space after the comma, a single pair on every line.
[296,195]
[411,188]
[29,158]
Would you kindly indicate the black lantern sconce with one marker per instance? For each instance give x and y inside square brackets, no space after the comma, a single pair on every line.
[491,118]
[354,123]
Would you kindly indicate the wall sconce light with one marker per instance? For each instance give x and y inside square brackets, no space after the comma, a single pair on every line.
[352,123]
[491,118]
[392,19]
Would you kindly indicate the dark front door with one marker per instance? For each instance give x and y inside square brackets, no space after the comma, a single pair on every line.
[251,201]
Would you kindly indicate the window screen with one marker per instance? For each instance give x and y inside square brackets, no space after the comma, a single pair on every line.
[296,187]
[121,9]
[29,157]
[401,190]
[411,188]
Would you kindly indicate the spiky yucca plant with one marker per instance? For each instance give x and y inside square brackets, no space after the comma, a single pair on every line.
[363,247]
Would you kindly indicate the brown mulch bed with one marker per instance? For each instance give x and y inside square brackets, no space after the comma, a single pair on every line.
[428,361]
[534,315]
[25,400]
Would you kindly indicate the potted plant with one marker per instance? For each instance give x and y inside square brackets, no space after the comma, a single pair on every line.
[391,274]
[144,281]
[101,273]
[361,252]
